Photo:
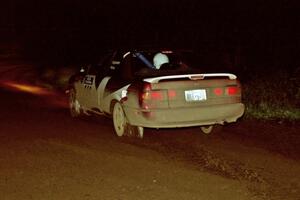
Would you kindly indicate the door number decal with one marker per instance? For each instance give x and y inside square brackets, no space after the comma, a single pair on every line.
[88,80]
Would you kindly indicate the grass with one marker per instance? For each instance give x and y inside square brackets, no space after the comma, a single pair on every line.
[272,95]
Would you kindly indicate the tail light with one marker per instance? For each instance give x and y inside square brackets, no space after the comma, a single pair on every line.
[171,94]
[149,98]
[233,90]
[218,91]
[230,91]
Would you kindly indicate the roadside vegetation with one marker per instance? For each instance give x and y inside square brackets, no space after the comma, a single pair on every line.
[272,94]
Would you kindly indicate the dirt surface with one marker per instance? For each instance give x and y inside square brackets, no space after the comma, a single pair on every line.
[45,154]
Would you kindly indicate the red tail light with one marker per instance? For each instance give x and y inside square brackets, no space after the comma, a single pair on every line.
[232,90]
[149,97]
[156,95]
[171,94]
[144,93]
[218,91]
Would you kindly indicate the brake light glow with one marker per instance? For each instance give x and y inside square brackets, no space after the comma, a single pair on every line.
[171,94]
[149,98]
[218,91]
[156,95]
[232,90]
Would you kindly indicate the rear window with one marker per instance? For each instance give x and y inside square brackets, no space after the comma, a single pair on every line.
[148,64]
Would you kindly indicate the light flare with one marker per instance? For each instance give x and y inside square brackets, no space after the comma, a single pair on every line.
[27,88]
[50,97]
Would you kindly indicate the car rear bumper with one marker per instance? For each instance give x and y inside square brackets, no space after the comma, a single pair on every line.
[185,117]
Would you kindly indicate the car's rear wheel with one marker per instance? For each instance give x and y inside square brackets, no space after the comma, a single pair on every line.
[75,109]
[140,131]
[121,125]
[207,129]
[119,120]
[135,131]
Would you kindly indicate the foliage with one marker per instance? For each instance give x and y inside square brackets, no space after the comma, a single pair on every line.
[272,94]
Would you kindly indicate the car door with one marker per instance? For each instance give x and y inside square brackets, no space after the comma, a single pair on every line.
[114,86]
[88,84]
[81,86]
[98,76]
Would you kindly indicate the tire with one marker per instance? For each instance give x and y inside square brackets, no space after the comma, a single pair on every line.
[121,125]
[140,131]
[135,131]
[74,106]
[207,129]
[119,120]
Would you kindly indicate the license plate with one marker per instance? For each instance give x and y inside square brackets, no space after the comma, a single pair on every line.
[195,95]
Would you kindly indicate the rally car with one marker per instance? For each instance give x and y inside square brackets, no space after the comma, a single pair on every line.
[159,88]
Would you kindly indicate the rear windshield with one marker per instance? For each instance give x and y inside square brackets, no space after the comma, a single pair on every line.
[148,64]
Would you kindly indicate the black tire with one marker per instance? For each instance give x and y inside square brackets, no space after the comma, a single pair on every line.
[121,125]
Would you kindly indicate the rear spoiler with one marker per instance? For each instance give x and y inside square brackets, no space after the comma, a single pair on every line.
[190,76]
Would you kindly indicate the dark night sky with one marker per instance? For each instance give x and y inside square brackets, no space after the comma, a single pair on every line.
[263,29]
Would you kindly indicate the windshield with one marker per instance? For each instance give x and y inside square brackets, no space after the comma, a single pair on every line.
[147,64]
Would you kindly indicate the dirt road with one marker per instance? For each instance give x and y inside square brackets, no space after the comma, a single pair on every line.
[45,154]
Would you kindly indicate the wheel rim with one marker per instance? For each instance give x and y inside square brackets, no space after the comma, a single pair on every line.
[74,104]
[119,120]
[207,129]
